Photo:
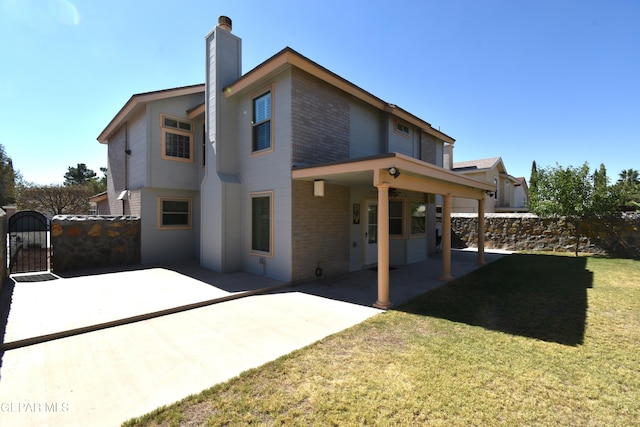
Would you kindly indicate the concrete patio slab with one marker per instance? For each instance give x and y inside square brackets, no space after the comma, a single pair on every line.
[107,376]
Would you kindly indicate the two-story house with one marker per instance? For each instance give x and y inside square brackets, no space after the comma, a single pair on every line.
[287,170]
[509,194]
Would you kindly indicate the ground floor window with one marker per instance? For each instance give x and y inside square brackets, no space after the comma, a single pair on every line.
[261,222]
[418,217]
[396,218]
[174,213]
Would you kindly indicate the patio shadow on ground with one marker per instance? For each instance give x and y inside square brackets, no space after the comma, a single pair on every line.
[537,296]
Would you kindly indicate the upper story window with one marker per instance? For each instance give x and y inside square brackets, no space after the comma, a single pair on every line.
[261,122]
[402,128]
[177,138]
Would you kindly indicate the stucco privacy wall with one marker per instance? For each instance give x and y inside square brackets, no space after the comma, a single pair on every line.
[94,241]
[617,235]
[3,250]
[320,231]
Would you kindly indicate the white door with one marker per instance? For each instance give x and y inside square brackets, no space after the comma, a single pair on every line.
[371,233]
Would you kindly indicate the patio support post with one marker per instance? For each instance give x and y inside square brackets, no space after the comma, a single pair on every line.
[383,247]
[446,238]
[481,232]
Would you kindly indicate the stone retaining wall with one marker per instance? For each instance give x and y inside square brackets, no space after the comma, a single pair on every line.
[616,235]
[94,241]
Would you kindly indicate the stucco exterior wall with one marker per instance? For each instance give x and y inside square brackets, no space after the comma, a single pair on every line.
[617,235]
[320,231]
[169,173]
[168,245]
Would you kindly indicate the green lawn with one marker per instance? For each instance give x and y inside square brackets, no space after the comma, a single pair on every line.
[531,339]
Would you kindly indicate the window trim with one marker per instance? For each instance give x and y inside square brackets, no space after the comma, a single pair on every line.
[162,199]
[166,129]
[254,195]
[404,228]
[397,123]
[254,96]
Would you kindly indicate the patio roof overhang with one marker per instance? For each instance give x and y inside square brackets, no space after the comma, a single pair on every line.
[414,175]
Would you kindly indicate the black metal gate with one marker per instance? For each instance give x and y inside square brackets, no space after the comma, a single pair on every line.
[28,242]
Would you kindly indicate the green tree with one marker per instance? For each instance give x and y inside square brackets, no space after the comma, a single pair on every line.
[98,185]
[572,193]
[533,183]
[628,187]
[7,179]
[604,197]
[80,175]
[54,199]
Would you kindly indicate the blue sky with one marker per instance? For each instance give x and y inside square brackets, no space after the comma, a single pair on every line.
[551,81]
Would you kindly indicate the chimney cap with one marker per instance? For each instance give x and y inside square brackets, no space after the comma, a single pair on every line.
[224,22]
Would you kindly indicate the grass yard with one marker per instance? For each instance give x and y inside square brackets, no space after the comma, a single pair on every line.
[531,339]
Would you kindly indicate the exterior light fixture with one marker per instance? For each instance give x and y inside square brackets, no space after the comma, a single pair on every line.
[394,172]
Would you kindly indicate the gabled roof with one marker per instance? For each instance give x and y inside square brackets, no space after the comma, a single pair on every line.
[481,164]
[288,57]
[137,101]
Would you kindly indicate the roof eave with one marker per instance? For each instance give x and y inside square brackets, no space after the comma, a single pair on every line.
[140,99]
[289,57]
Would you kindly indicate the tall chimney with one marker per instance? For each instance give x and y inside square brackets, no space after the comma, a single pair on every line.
[224,22]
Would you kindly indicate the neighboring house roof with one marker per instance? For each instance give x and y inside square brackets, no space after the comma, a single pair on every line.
[289,57]
[98,197]
[138,101]
[481,164]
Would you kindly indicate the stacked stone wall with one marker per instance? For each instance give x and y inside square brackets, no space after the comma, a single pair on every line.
[616,235]
[94,241]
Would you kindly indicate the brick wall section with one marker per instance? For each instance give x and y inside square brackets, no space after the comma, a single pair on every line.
[116,171]
[616,235]
[94,241]
[319,121]
[320,229]
[428,148]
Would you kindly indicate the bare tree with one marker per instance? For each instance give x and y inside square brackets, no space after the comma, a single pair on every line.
[54,199]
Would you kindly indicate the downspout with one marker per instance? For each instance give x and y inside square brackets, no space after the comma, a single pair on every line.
[127,153]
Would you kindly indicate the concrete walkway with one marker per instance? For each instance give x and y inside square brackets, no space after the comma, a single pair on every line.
[111,374]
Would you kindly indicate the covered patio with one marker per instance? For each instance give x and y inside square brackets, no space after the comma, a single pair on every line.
[401,172]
